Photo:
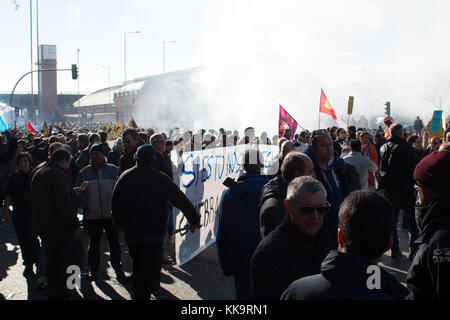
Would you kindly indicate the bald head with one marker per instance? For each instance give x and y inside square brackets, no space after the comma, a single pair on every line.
[296,164]
[286,148]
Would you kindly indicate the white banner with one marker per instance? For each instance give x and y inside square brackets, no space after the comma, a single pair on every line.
[200,175]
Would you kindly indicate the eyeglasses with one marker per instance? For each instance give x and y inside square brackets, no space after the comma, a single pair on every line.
[309,210]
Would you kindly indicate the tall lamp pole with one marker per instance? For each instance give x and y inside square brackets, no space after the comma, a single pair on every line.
[125,56]
[164,54]
[31,54]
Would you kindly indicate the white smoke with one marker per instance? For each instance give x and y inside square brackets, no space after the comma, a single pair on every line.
[262,53]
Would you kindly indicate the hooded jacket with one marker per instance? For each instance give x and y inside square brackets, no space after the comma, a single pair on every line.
[344,276]
[271,206]
[429,274]
[237,234]
[284,256]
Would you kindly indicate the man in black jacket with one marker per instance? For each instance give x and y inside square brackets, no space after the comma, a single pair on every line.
[397,163]
[158,142]
[352,273]
[139,208]
[429,274]
[131,142]
[297,246]
[55,220]
[271,205]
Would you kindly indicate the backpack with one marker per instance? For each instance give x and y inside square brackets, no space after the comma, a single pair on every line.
[387,177]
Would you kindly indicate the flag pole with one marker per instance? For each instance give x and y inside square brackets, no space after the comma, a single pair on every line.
[319,105]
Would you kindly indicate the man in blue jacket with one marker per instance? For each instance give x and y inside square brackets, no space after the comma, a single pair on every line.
[238,227]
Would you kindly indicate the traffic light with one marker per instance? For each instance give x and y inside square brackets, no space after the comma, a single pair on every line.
[74,72]
[387,109]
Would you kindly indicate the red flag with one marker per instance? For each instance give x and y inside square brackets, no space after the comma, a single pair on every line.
[30,128]
[325,106]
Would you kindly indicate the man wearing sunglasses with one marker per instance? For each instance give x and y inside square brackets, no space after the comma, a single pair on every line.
[366,219]
[296,248]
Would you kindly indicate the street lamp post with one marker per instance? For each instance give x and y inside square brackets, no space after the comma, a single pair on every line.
[109,82]
[32,68]
[164,54]
[125,56]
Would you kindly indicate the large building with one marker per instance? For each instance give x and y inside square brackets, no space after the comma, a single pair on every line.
[169,97]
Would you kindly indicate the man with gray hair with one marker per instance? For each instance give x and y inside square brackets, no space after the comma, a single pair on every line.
[296,248]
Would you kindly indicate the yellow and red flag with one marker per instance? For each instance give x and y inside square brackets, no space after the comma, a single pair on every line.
[325,106]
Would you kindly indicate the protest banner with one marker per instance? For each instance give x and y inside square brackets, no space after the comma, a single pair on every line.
[200,175]
[436,121]
[437,126]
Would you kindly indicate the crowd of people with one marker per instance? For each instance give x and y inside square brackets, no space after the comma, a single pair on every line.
[330,203]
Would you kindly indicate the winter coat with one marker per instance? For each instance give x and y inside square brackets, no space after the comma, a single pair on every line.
[127,159]
[397,172]
[18,188]
[237,234]
[162,165]
[84,157]
[96,200]
[114,157]
[344,277]
[429,274]
[53,201]
[272,210]
[284,256]
[139,204]
[5,158]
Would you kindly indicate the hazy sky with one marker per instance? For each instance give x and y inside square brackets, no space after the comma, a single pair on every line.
[257,53]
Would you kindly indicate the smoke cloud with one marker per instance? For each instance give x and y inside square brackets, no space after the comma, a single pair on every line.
[262,53]
[258,54]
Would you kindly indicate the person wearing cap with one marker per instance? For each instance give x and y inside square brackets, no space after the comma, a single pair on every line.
[429,274]
[95,184]
[139,208]
[237,234]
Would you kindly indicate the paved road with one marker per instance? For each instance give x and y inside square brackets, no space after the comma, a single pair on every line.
[199,279]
